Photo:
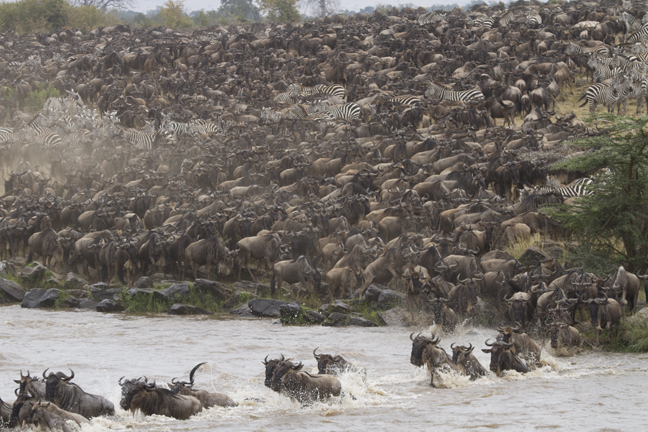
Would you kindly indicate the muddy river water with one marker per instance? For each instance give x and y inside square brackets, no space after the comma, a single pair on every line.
[591,391]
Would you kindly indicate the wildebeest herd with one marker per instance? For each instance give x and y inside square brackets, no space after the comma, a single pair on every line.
[346,151]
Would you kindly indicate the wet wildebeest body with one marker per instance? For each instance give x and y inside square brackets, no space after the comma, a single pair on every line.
[463,357]
[49,416]
[628,284]
[524,346]
[425,352]
[563,335]
[289,379]
[335,365]
[31,385]
[150,400]
[605,313]
[503,359]
[444,315]
[70,397]
[206,399]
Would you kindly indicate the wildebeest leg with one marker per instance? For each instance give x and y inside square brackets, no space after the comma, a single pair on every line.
[432,378]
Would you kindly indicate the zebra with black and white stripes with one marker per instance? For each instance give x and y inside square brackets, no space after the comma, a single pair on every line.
[605,93]
[631,23]
[572,191]
[429,18]
[534,19]
[141,140]
[347,111]
[435,91]
[331,90]
[405,100]
[578,49]
[286,98]
[640,35]
[177,129]
[6,135]
[506,19]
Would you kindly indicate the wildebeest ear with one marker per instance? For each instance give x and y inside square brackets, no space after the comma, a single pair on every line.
[487,351]
[17,381]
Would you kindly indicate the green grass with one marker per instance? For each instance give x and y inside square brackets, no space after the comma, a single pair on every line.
[58,304]
[147,302]
[365,309]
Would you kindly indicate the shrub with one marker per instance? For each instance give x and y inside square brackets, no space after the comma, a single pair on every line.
[36,98]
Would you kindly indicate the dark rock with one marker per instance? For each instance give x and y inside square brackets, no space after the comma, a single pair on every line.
[338,306]
[214,289]
[266,307]
[371,295]
[291,314]
[388,299]
[10,292]
[70,302]
[253,287]
[183,309]
[109,305]
[533,256]
[238,298]
[554,252]
[40,298]
[336,319]
[314,317]
[100,293]
[243,311]
[52,282]
[88,304]
[396,317]
[496,254]
[33,273]
[174,292]
[7,269]
[144,282]
[72,281]
[361,322]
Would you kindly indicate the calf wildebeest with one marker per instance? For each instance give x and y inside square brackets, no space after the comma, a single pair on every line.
[147,398]
[335,365]
[605,313]
[71,397]
[49,416]
[563,335]
[293,271]
[426,352]
[463,357]
[502,358]
[207,399]
[289,379]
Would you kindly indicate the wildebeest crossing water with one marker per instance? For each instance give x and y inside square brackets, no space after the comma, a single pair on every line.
[101,348]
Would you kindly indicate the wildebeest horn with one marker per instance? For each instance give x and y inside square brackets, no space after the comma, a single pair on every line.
[66,378]
[487,344]
[411,334]
[174,380]
[507,299]
[317,357]
[120,380]
[191,374]
[461,281]
[508,345]
[151,385]
[282,357]
[452,346]
[44,372]
[468,350]
[16,392]
[265,360]
[517,328]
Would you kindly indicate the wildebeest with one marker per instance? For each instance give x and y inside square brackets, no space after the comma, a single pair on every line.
[293,271]
[443,315]
[344,278]
[260,248]
[207,399]
[502,358]
[563,335]
[49,416]
[43,244]
[205,252]
[31,385]
[71,397]
[605,313]
[524,346]
[335,365]
[463,357]
[425,352]
[628,284]
[289,379]
[147,398]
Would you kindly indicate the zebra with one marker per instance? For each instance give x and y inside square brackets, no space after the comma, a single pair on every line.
[578,49]
[347,111]
[485,22]
[285,98]
[429,18]
[605,93]
[78,138]
[207,128]
[332,90]
[6,135]
[405,100]
[603,72]
[640,35]
[507,18]
[571,191]
[177,129]
[436,91]
[49,140]
[142,140]
[632,24]
[534,19]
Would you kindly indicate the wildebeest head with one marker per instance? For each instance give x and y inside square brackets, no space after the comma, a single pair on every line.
[283,368]
[594,306]
[326,362]
[498,352]
[25,382]
[437,307]
[459,351]
[52,381]
[21,408]
[507,332]
[135,388]
[418,347]
[554,331]
[270,366]
[127,384]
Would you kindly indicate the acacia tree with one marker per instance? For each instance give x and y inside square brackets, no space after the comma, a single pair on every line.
[103,4]
[323,7]
[611,226]
[280,10]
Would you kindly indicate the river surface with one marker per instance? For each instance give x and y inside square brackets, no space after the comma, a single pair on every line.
[591,391]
